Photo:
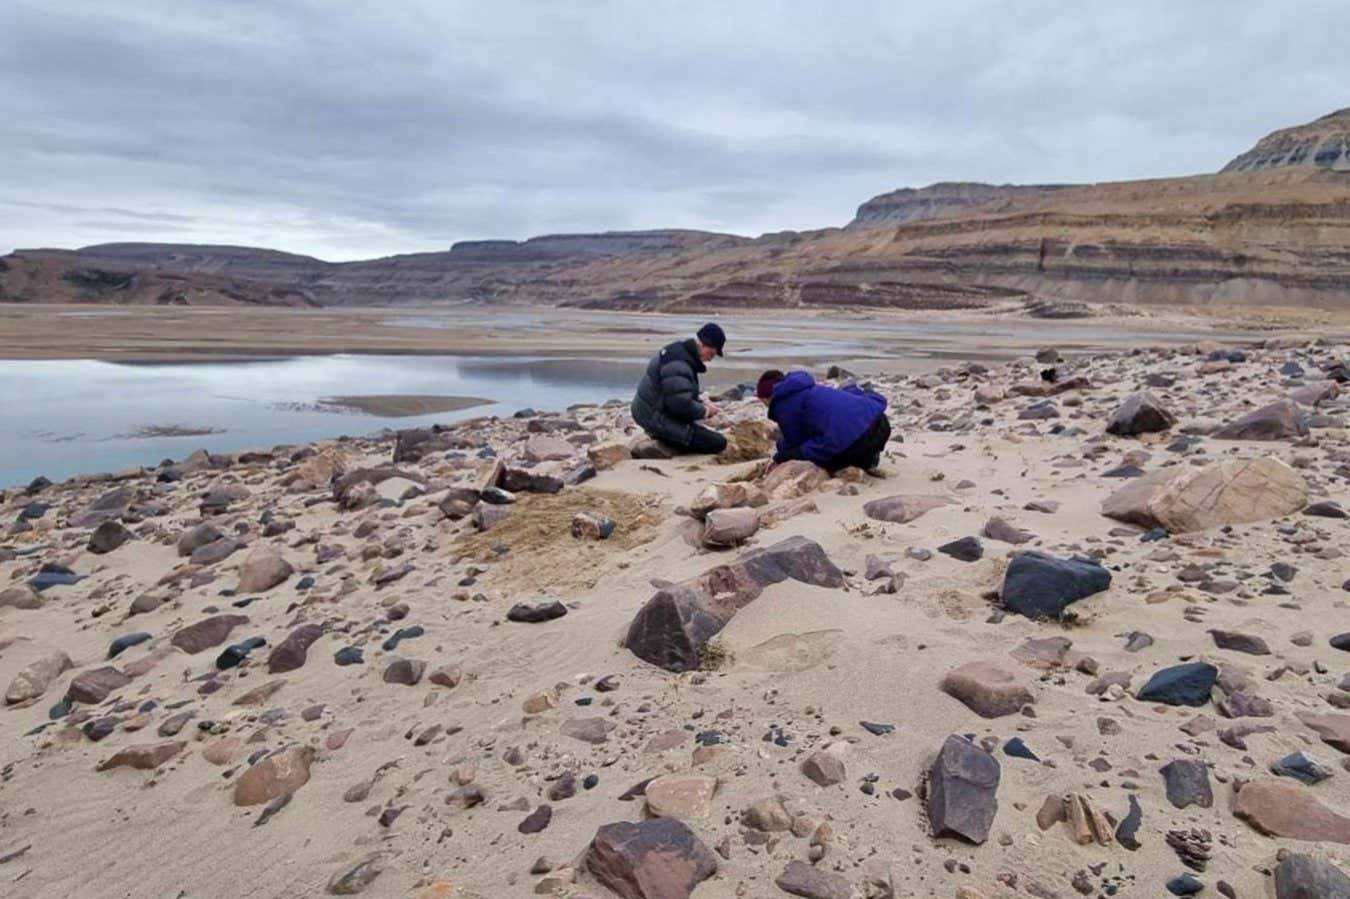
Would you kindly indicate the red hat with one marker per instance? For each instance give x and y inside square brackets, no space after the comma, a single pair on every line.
[767,382]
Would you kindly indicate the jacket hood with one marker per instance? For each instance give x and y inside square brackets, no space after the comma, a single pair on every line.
[793,382]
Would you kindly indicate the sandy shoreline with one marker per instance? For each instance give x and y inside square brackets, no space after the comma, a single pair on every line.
[403,405]
[151,334]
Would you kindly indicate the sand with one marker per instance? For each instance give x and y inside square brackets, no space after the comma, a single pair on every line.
[403,405]
[806,662]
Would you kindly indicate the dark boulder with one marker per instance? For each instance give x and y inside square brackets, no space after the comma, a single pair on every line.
[108,536]
[1188,684]
[1039,585]
[292,652]
[1305,877]
[1278,421]
[962,787]
[671,629]
[1141,413]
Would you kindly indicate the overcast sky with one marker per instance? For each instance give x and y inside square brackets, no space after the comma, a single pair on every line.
[404,126]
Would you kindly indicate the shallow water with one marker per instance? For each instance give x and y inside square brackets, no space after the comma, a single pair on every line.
[70,416]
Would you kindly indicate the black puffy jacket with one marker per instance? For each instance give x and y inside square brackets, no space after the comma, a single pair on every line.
[667,405]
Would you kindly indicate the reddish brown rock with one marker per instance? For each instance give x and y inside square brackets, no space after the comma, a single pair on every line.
[144,756]
[292,652]
[206,633]
[962,791]
[657,859]
[1279,808]
[1333,729]
[96,685]
[987,689]
[274,776]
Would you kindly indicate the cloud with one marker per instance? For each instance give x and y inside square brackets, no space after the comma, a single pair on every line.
[401,127]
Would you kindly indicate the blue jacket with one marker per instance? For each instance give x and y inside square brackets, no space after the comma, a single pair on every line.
[818,422]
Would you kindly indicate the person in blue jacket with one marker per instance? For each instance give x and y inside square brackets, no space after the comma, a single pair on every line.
[832,427]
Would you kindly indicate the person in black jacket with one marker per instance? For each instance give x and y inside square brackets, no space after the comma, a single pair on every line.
[667,405]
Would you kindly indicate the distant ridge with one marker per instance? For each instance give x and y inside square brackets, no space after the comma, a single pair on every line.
[1272,230]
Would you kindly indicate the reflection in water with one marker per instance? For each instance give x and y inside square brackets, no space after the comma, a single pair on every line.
[82,416]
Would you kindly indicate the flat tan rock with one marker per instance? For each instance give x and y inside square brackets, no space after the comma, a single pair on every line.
[684,796]
[1234,491]
[987,689]
[1278,808]
[903,509]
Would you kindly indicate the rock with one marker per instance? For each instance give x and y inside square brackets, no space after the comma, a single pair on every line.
[535,613]
[1333,729]
[292,652]
[486,516]
[592,526]
[962,787]
[671,629]
[986,689]
[656,859]
[605,456]
[1185,885]
[144,756]
[1039,585]
[108,536]
[767,816]
[824,768]
[644,447]
[1341,641]
[587,730]
[547,448]
[687,797]
[966,549]
[1188,783]
[1187,684]
[1326,509]
[1127,831]
[107,507]
[197,537]
[446,676]
[215,551]
[404,671]
[1240,642]
[206,633]
[793,479]
[536,820]
[903,509]
[801,879]
[21,596]
[1234,491]
[276,775]
[729,527]
[125,642]
[263,569]
[1305,877]
[1140,413]
[1004,532]
[727,496]
[222,750]
[1302,767]
[1278,421]
[35,677]
[1279,808]
[518,480]
[95,685]
[358,875]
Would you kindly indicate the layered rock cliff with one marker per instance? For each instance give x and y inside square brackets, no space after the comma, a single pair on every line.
[1273,230]
[1322,144]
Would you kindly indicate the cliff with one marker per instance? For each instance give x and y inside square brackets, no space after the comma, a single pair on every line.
[1273,229]
[1322,144]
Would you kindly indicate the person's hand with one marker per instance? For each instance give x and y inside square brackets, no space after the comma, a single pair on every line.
[711,410]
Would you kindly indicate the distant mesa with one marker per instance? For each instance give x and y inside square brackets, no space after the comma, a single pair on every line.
[1320,144]
[1270,230]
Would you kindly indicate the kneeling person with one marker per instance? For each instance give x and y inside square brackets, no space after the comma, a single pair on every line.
[667,405]
[832,427]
